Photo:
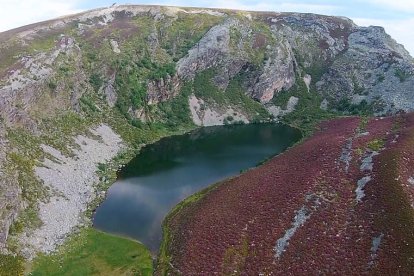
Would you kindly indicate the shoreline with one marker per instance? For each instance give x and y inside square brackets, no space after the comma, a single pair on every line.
[103,181]
[163,257]
[98,182]
[236,216]
[71,185]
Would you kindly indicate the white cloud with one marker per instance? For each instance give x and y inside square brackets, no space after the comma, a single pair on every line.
[261,6]
[307,8]
[401,30]
[14,13]
[400,5]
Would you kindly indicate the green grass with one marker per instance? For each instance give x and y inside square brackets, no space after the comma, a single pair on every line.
[95,253]
[235,257]
[307,114]
[11,266]
[205,89]
[176,111]
[402,74]
[237,95]
[42,44]
[363,123]
[376,144]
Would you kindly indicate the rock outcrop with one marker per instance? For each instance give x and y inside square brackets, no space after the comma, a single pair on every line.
[374,67]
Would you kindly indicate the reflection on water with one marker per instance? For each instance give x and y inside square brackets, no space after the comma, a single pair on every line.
[170,170]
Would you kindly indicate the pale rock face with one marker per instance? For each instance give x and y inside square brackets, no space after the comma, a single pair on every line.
[203,115]
[140,114]
[278,74]
[110,93]
[22,84]
[291,105]
[70,180]
[195,108]
[324,104]
[370,65]
[278,112]
[307,79]
[115,46]
[357,99]
[212,48]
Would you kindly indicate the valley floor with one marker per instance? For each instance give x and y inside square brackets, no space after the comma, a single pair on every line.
[340,202]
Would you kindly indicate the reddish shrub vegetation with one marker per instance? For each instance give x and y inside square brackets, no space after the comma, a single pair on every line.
[235,227]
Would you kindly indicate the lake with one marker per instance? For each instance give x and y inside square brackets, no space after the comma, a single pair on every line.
[170,170]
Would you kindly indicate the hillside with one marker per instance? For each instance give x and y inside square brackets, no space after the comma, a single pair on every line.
[81,94]
[344,196]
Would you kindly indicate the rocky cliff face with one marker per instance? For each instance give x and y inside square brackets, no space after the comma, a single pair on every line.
[140,67]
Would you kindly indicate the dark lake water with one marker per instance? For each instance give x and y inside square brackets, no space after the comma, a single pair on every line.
[168,171]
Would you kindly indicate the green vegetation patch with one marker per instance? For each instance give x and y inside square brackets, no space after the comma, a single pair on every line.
[307,114]
[402,74]
[11,265]
[22,162]
[58,132]
[95,253]
[234,96]
[376,144]
[176,110]
[42,44]
[345,105]
[235,257]
[205,89]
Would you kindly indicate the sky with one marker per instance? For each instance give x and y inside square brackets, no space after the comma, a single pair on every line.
[396,16]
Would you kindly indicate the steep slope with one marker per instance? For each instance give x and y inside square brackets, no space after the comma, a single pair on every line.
[119,77]
[344,196]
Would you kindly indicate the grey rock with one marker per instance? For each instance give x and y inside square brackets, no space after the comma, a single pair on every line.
[109,91]
[370,66]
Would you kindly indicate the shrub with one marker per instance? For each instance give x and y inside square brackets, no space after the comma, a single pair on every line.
[177,111]
[52,85]
[401,74]
[381,78]
[88,103]
[345,106]
[96,81]
[376,145]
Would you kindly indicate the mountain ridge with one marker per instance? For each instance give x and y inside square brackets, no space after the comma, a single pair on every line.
[144,72]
